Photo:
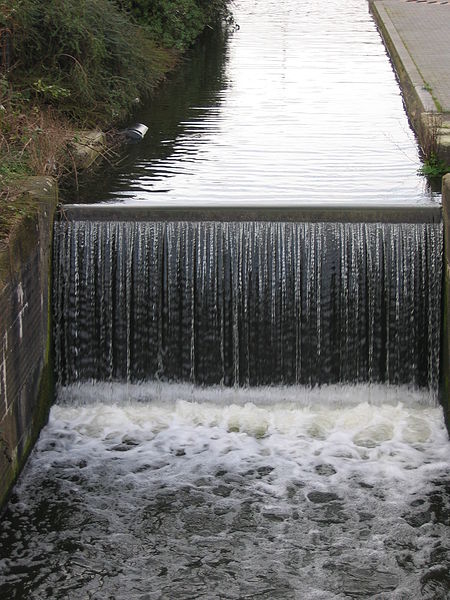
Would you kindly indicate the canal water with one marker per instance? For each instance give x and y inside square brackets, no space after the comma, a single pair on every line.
[169,489]
[300,104]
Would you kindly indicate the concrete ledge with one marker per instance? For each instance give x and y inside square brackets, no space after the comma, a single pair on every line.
[410,78]
[26,389]
[384,213]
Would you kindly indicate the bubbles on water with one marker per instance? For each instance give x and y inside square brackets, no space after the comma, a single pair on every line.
[187,494]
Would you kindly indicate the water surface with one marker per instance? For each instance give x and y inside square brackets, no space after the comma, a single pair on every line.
[300,104]
[172,492]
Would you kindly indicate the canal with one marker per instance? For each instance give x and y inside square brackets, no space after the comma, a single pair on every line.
[158,476]
[299,104]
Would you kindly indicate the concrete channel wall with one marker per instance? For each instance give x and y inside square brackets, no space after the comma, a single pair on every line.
[26,372]
[445,367]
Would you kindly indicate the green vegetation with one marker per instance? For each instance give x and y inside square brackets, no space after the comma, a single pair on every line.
[434,167]
[68,65]
[176,23]
[85,57]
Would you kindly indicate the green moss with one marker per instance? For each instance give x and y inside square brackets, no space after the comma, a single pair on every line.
[445,386]
[14,207]
[24,244]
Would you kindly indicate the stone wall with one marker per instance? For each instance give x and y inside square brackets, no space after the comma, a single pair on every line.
[446,320]
[26,388]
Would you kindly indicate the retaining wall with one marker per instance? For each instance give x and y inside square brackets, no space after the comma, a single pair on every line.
[446,308]
[26,381]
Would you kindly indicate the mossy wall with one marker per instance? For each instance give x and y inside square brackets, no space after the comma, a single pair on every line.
[446,308]
[26,387]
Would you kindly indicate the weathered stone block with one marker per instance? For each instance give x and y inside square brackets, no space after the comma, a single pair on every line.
[446,319]
[87,147]
[25,336]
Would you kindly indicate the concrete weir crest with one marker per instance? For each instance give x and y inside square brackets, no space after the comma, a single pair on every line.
[302,213]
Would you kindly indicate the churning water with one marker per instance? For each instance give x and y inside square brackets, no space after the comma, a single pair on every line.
[172,492]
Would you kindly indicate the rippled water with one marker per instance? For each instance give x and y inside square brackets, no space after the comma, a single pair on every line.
[175,492]
[299,104]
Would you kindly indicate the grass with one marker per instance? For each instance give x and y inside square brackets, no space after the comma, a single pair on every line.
[33,141]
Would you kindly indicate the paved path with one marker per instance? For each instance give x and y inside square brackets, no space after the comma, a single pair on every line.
[424,30]
[417,34]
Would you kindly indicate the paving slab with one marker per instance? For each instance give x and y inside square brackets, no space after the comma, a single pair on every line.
[424,30]
[417,36]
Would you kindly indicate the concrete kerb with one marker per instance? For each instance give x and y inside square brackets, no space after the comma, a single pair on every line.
[419,103]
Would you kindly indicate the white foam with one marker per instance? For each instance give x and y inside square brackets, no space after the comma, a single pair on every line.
[296,396]
[350,428]
[319,495]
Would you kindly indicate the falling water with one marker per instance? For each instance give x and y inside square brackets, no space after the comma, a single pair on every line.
[248,303]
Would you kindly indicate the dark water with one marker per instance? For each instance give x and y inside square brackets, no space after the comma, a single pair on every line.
[171,492]
[300,104]
[248,303]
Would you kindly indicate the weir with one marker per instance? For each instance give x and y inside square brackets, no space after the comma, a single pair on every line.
[248,302]
[247,347]
[300,212]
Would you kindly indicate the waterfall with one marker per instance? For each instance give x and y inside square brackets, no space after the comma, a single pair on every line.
[248,303]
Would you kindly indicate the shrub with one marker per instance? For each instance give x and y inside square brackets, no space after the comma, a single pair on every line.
[71,64]
[84,56]
[176,23]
